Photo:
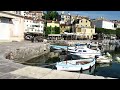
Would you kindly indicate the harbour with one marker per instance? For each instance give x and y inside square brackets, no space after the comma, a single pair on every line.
[58,45]
[105,70]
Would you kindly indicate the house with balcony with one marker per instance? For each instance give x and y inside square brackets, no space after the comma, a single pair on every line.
[33,26]
[65,18]
[11,27]
[65,28]
[84,29]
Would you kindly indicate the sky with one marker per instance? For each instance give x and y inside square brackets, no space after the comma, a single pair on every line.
[111,15]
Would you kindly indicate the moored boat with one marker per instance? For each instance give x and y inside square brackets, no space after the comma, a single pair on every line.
[85,52]
[75,65]
[103,59]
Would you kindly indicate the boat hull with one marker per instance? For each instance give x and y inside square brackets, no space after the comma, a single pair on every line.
[92,55]
[67,66]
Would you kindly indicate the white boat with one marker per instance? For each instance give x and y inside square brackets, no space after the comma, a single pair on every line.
[94,44]
[103,59]
[75,46]
[58,47]
[75,65]
[118,59]
[85,52]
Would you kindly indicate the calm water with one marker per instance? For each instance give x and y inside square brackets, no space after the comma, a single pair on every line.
[106,70]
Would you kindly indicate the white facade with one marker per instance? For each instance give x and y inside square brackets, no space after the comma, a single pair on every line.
[11,27]
[103,24]
[27,24]
[33,27]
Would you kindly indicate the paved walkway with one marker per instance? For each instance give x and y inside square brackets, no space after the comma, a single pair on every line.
[12,70]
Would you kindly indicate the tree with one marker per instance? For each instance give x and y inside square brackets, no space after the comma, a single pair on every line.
[53,30]
[57,30]
[47,31]
[118,33]
[51,15]
[105,31]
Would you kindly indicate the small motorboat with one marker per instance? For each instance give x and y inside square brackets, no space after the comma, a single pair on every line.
[94,44]
[118,59]
[75,65]
[58,47]
[103,59]
[85,52]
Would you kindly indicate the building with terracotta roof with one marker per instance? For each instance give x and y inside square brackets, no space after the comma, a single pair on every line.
[83,28]
[51,23]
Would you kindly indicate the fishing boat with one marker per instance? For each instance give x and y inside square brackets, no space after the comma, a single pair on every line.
[85,52]
[75,65]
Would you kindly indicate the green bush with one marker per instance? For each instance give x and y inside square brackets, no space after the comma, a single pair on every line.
[105,31]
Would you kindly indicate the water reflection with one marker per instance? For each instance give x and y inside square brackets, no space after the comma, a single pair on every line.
[113,69]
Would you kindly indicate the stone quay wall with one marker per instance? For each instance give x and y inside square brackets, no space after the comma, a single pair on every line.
[26,52]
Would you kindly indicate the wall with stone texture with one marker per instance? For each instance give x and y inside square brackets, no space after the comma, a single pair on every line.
[22,54]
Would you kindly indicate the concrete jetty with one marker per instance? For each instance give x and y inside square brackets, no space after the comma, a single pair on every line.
[9,69]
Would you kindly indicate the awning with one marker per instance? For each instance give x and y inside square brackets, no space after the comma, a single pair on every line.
[54,35]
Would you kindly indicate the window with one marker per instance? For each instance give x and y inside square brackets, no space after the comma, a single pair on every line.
[81,25]
[91,31]
[86,25]
[80,51]
[64,26]
[81,21]
[27,21]
[84,51]
[86,21]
